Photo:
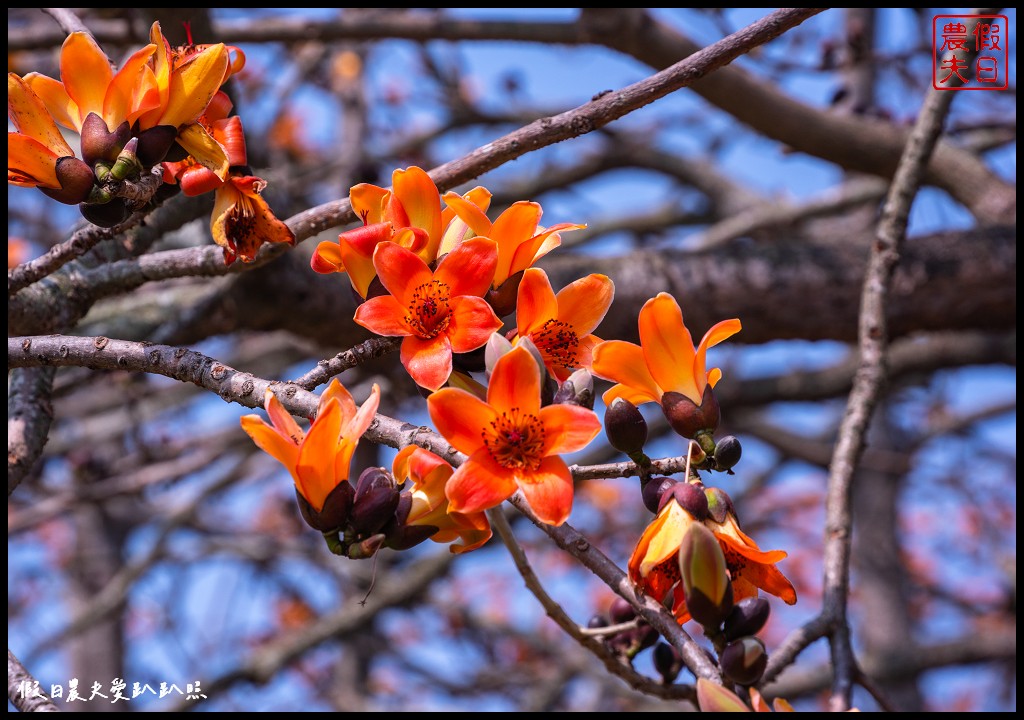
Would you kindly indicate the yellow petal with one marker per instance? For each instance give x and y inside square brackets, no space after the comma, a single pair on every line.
[193,85]
[201,145]
[30,117]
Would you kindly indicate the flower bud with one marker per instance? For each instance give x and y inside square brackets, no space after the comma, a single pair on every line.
[719,504]
[578,389]
[503,299]
[715,698]
[155,143]
[743,661]
[597,621]
[376,499]
[727,452]
[667,662]
[653,490]
[690,498]
[497,346]
[105,215]
[688,419]
[398,535]
[747,617]
[127,164]
[336,510]
[76,181]
[366,548]
[704,576]
[99,143]
[625,427]
[621,611]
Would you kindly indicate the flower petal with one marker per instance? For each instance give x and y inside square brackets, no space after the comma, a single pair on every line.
[515,382]
[456,229]
[56,99]
[281,419]
[355,426]
[327,258]
[30,163]
[719,332]
[624,362]
[584,302]
[469,213]
[316,468]
[667,345]
[384,316]
[460,416]
[85,71]
[548,490]
[469,268]
[194,84]
[421,201]
[471,323]
[206,151]
[478,484]
[513,228]
[336,391]
[400,270]
[127,88]
[30,117]
[271,442]
[367,202]
[567,428]
[428,362]
[536,303]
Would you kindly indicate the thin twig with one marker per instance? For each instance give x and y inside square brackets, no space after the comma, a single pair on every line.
[23,689]
[362,353]
[68,21]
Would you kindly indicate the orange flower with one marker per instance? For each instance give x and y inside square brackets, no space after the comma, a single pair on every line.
[408,215]
[242,221]
[521,241]
[512,442]
[561,325]
[429,475]
[438,312]
[37,154]
[654,565]
[319,459]
[664,361]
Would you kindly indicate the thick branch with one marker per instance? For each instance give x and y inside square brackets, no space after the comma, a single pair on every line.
[22,688]
[29,415]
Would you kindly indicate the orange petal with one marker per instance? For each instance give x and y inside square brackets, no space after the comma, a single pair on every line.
[668,348]
[121,95]
[721,331]
[624,362]
[30,117]
[471,323]
[86,72]
[536,303]
[56,99]
[714,375]
[515,382]
[428,362]
[469,213]
[567,428]
[512,228]
[422,203]
[357,264]
[355,426]
[30,163]
[336,391]
[633,395]
[479,484]
[327,258]
[469,268]
[537,247]
[584,303]
[384,316]
[460,416]
[548,490]
[271,442]
[400,270]
[193,85]
[367,202]
[455,229]
[315,470]
[662,538]
[282,420]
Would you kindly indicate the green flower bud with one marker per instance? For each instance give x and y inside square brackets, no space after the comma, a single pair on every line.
[625,427]
[704,576]
[719,504]
[127,164]
[366,548]
[743,661]
[747,617]
[687,418]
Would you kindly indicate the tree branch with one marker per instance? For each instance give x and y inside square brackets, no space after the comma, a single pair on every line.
[20,683]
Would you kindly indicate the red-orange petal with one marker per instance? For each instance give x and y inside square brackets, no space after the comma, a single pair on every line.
[567,428]
[548,490]
[469,268]
[121,98]
[31,117]
[460,416]
[667,345]
[479,484]
[624,362]
[422,203]
[584,302]
[512,228]
[316,466]
[428,361]
[515,382]
[536,303]
[281,419]
[367,202]
[400,270]
[327,258]
[719,332]
[56,99]
[471,323]
[383,315]
[270,441]
[336,391]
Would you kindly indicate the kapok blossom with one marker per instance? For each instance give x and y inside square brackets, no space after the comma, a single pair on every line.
[438,313]
[512,442]
[429,475]
[560,326]
[521,240]
[319,458]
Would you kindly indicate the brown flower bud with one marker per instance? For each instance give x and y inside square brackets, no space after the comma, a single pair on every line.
[690,498]
[667,662]
[625,426]
[719,504]
[654,489]
[155,143]
[743,661]
[504,298]
[621,611]
[76,181]
[375,502]
[336,510]
[727,452]
[578,389]
[99,144]
[747,617]
[687,418]
[105,215]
